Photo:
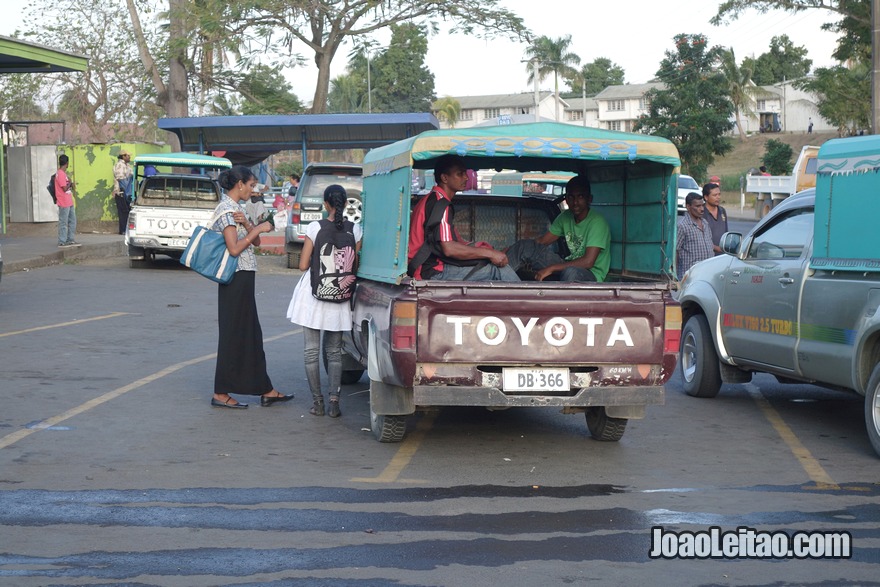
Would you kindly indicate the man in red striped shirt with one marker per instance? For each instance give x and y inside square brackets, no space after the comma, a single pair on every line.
[436,251]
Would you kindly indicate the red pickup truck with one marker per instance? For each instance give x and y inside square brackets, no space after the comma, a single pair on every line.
[604,349]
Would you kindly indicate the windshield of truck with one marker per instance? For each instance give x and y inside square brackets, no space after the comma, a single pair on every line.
[686,182]
[316,183]
[180,189]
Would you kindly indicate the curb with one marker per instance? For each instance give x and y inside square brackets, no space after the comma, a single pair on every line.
[96,250]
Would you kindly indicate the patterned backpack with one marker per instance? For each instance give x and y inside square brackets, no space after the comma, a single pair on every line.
[333,262]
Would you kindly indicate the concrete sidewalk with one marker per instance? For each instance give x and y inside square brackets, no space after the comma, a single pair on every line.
[31,245]
[28,245]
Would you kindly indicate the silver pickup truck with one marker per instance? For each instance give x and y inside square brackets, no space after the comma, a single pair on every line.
[797,297]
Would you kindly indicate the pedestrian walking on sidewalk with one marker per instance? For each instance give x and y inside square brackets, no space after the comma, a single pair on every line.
[66,210]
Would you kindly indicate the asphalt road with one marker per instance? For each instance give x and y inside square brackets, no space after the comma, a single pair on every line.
[115,470]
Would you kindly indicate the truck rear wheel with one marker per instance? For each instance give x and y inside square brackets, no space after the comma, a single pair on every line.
[602,426]
[387,428]
[872,409]
[699,361]
[352,376]
[293,259]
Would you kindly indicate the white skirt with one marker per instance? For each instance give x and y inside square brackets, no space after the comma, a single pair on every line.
[306,311]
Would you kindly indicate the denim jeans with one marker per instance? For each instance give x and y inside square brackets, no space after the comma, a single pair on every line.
[486,272]
[540,256]
[66,225]
[333,348]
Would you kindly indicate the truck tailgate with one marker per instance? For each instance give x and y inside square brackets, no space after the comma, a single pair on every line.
[169,222]
[565,324]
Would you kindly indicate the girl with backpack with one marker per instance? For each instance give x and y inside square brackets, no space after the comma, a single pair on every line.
[321,298]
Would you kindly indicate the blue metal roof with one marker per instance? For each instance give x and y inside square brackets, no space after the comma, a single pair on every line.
[272,133]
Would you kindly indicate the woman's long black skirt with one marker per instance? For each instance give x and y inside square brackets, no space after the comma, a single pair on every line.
[241,362]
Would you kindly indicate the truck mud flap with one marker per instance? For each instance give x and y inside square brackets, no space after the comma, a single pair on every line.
[388,399]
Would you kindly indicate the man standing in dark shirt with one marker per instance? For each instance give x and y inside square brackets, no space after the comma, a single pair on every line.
[714,214]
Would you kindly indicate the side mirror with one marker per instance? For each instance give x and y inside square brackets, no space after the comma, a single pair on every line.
[730,242]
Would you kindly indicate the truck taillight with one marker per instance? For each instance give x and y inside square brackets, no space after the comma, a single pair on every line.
[403,326]
[672,329]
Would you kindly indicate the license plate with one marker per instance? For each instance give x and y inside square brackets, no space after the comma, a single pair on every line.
[178,242]
[309,216]
[545,379]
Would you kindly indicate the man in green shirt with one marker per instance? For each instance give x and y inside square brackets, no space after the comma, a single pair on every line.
[585,231]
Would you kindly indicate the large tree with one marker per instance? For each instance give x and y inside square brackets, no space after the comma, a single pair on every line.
[783,62]
[694,109]
[552,56]
[113,89]
[322,26]
[20,96]
[595,76]
[401,80]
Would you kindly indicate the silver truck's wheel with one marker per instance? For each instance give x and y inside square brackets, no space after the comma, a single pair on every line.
[603,427]
[699,361]
[387,428]
[293,259]
[352,376]
[872,409]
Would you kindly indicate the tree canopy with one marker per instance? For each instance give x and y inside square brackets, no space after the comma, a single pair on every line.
[401,82]
[266,91]
[595,76]
[113,89]
[854,22]
[782,62]
[844,96]
[322,26]
[694,109]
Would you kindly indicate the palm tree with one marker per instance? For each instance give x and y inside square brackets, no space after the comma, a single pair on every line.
[448,109]
[740,88]
[345,94]
[552,56]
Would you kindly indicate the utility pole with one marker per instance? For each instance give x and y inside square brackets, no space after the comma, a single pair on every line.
[875,66]
[535,68]
[369,85]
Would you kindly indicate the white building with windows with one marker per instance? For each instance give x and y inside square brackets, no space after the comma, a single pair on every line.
[503,107]
[783,107]
[621,106]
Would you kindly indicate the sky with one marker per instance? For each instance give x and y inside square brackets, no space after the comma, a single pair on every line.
[632,33]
